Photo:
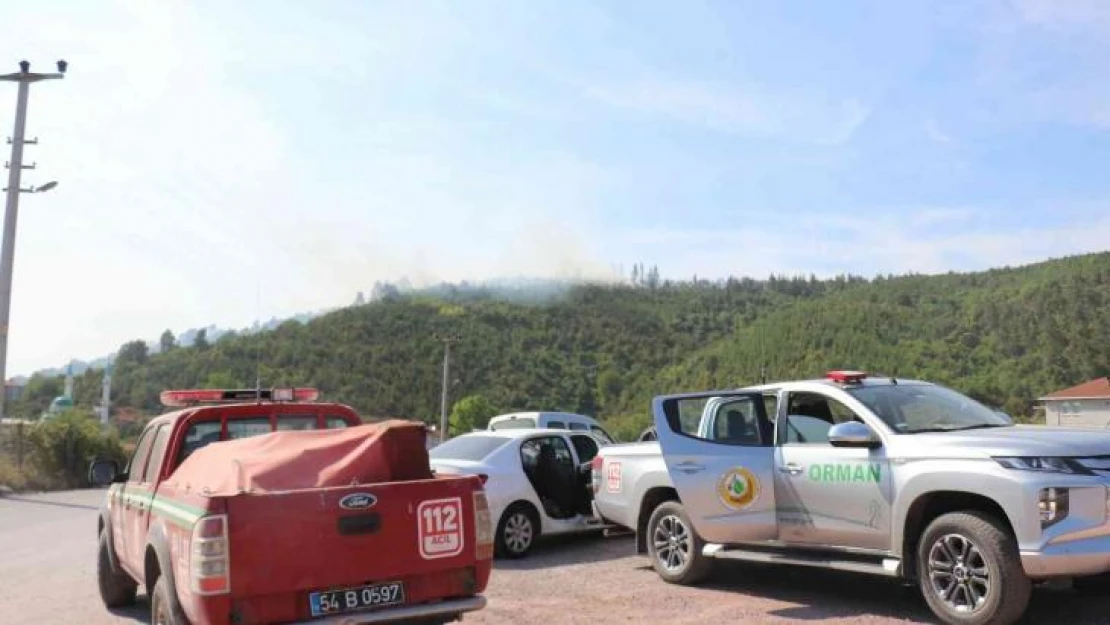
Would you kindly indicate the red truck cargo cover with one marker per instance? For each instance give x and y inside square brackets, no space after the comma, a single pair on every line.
[390,451]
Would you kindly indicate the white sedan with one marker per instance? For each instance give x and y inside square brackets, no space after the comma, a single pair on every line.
[535,481]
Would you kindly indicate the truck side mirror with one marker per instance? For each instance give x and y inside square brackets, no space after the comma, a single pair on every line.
[104,472]
[853,434]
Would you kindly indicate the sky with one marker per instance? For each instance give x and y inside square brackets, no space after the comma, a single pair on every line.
[224,162]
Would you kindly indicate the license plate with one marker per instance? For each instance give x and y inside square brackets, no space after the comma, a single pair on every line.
[360,598]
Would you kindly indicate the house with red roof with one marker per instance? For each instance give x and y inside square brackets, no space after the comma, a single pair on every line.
[1087,404]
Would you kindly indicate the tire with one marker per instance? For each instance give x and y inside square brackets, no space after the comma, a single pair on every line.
[971,557]
[162,610]
[1092,585]
[117,589]
[674,547]
[517,531]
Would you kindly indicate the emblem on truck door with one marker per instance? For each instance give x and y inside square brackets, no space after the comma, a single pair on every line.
[357,501]
[738,488]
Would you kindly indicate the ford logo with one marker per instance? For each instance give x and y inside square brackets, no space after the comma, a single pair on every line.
[357,501]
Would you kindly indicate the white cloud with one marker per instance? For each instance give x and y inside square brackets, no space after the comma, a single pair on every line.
[1058,13]
[754,110]
[932,128]
[828,246]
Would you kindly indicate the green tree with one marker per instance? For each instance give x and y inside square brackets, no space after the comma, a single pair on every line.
[470,413]
[201,340]
[221,379]
[167,342]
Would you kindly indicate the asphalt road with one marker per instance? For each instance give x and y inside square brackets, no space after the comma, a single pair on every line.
[47,569]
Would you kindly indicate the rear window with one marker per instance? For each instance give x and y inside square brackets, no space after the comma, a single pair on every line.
[335,423]
[578,426]
[296,422]
[198,435]
[523,423]
[245,428]
[467,447]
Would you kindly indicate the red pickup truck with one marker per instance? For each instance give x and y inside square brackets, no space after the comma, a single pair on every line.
[270,507]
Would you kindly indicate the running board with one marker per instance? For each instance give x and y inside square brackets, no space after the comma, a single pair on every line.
[888,567]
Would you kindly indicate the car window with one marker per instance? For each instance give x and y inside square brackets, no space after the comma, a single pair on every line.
[522,423]
[737,423]
[157,451]
[602,434]
[771,405]
[335,423]
[810,416]
[530,450]
[468,447]
[585,447]
[247,427]
[198,435]
[578,426]
[137,466]
[296,422]
[557,425]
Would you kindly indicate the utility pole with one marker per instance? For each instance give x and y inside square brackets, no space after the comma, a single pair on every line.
[448,340]
[24,77]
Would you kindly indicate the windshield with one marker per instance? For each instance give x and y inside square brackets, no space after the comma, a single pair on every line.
[523,423]
[913,408]
[467,448]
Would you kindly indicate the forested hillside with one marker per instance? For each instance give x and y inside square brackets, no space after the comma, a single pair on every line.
[1004,336]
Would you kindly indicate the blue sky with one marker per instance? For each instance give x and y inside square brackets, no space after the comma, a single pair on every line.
[222,162]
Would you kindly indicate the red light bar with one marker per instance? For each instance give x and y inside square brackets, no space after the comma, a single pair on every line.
[305,394]
[191,397]
[846,377]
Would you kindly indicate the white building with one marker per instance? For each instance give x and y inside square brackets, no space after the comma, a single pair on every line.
[1085,405]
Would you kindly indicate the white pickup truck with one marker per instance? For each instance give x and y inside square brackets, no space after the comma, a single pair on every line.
[898,478]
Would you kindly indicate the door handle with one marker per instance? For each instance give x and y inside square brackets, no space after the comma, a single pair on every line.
[689,467]
[791,469]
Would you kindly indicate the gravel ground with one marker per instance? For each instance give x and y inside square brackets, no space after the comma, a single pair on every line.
[47,568]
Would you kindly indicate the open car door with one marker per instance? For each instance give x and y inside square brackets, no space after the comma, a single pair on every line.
[724,475]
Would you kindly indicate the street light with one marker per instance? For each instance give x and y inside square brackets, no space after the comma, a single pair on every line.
[24,77]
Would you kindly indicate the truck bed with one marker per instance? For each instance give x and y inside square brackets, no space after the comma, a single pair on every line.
[418,533]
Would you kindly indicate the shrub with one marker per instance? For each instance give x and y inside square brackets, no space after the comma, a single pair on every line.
[61,448]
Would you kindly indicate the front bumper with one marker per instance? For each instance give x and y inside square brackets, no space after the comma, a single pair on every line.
[428,610]
[1076,558]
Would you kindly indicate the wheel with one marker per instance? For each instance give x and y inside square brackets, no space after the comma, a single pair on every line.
[162,610]
[516,533]
[117,589]
[970,572]
[1092,585]
[674,547]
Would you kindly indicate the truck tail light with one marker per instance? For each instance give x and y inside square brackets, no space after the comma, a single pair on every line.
[595,473]
[210,562]
[483,527]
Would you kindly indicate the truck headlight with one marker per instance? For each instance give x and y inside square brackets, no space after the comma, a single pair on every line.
[1043,464]
[1053,506]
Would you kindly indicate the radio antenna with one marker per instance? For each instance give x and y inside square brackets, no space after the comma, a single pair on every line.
[258,339]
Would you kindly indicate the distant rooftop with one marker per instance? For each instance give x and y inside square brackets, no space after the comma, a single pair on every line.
[1098,388]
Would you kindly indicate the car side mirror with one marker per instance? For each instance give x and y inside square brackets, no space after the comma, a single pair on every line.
[853,434]
[105,472]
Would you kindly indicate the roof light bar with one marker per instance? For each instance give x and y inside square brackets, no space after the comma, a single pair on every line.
[846,377]
[192,397]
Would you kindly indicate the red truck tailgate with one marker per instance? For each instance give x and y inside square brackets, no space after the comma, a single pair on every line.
[420,533]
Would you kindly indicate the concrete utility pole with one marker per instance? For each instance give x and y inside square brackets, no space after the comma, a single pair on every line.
[448,342]
[24,77]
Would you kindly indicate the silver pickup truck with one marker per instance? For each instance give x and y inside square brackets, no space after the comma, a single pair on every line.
[892,477]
